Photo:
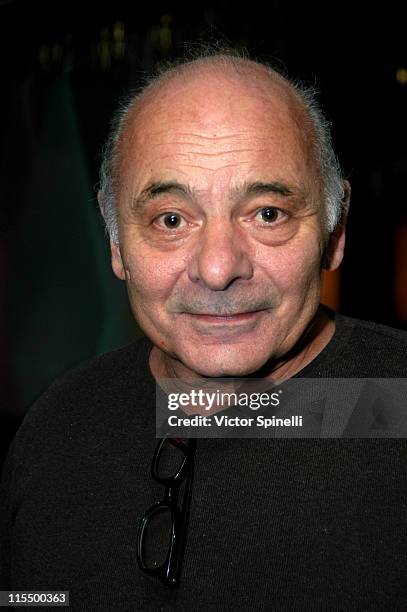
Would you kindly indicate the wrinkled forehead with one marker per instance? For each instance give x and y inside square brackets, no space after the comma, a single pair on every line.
[215,107]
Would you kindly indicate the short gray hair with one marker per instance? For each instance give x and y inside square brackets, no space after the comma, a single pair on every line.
[328,164]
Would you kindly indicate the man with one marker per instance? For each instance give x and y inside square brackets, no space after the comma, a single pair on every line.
[224,202]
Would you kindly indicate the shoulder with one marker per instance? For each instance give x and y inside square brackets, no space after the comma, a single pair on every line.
[108,367]
[380,347]
[360,349]
[111,370]
[98,390]
[376,333]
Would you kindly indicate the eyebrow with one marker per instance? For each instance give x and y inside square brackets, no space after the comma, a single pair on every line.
[247,189]
[258,188]
[157,188]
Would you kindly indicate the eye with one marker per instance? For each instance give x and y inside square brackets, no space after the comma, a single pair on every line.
[270,215]
[170,220]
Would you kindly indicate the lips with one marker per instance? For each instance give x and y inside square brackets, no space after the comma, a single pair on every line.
[224,328]
[234,318]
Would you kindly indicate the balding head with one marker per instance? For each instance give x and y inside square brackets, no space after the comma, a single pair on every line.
[208,87]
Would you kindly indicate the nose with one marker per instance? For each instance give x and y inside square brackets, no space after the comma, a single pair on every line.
[220,256]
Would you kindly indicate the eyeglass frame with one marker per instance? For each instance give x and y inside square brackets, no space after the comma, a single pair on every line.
[170,571]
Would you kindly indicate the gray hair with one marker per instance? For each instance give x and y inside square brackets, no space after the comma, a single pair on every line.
[328,164]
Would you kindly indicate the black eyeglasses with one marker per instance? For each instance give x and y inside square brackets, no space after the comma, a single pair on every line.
[162,530]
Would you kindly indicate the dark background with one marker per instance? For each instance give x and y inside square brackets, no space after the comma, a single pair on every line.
[63,67]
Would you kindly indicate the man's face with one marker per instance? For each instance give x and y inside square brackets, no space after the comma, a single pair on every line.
[220,224]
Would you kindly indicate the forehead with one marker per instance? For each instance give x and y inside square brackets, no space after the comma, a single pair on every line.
[214,123]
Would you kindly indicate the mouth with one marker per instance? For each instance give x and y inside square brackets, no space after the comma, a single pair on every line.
[226,327]
[239,317]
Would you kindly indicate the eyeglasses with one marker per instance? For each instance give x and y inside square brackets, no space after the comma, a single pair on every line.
[162,530]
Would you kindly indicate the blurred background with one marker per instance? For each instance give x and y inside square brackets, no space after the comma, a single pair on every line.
[64,65]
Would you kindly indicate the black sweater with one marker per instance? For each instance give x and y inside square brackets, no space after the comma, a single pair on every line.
[278,524]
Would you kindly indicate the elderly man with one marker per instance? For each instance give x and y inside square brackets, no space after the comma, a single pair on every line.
[224,202]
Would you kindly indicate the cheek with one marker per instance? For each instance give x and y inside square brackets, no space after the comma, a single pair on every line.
[292,268]
[150,278]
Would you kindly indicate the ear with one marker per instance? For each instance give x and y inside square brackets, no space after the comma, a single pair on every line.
[336,244]
[101,207]
[117,262]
